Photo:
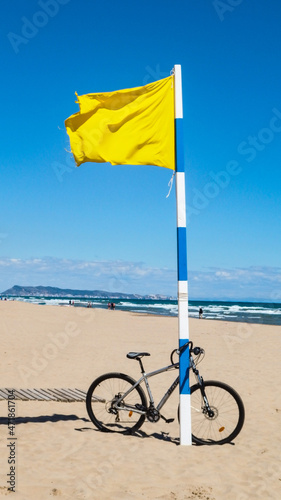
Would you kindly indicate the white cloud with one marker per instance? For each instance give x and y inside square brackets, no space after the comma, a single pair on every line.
[223,274]
[252,283]
[120,276]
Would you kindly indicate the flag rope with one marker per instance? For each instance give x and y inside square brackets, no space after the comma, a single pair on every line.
[170,184]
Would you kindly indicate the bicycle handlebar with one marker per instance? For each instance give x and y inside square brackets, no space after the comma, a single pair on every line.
[180,349]
[195,350]
[184,346]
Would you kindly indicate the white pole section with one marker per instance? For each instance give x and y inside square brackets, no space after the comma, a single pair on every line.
[185,413]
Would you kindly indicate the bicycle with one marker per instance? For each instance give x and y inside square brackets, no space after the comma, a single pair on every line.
[117,403]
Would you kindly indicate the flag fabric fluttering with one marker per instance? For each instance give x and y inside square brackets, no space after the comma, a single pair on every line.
[127,127]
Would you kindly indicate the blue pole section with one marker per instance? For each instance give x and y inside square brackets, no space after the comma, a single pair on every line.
[185,413]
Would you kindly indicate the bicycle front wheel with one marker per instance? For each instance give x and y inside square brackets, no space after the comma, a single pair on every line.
[227,413]
[102,395]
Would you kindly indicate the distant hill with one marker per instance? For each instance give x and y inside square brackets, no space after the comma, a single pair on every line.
[50,291]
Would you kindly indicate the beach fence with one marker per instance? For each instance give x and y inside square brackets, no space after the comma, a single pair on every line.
[62,395]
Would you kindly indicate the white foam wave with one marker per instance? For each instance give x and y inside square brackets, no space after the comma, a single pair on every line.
[268,313]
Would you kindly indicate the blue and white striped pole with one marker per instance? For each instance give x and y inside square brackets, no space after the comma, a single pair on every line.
[185,413]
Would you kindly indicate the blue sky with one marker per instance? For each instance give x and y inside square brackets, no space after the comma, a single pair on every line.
[112,227]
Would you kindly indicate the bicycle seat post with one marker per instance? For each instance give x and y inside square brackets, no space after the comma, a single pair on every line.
[138,356]
[141,365]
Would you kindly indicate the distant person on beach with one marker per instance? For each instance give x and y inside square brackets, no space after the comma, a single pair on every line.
[108,305]
[112,306]
[200,313]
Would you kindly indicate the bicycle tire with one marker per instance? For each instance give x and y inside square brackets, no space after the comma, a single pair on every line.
[229,414]
[100,396]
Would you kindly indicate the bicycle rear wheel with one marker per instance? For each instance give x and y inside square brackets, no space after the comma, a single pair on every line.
[228,413]
[102,395]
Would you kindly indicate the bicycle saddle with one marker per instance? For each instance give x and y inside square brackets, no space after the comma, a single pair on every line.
[136,355]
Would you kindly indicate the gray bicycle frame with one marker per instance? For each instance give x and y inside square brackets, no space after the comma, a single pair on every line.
[145,377]
[166,396]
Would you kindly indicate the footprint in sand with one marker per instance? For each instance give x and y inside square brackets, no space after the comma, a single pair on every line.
[201,493]
[55,492]
[4,490]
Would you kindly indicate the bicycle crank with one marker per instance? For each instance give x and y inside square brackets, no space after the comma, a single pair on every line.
[153,415]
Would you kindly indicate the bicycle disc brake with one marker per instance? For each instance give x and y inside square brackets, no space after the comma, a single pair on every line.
[210,412]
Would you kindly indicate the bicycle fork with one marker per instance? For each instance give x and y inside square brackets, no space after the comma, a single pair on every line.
[206,408]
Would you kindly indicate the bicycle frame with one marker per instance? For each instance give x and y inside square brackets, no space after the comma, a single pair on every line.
[145,377]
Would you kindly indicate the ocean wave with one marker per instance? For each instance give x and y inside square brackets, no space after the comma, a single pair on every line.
[251,312]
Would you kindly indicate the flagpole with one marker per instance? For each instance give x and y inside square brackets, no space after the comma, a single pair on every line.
[183,327]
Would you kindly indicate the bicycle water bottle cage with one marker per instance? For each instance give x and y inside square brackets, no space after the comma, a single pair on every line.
[137,355]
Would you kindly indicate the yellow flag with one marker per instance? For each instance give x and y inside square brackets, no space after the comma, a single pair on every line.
[131,126]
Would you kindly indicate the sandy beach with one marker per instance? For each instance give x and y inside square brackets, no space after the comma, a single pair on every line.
[60,453]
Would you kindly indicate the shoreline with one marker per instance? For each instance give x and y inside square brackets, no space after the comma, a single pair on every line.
[266,319]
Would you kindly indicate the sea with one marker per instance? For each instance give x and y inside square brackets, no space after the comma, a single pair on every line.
[246,312]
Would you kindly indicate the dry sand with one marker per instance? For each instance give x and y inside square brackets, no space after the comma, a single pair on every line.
[60,453]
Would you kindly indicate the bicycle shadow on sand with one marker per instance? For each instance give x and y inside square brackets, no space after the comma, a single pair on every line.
[56,417]
[161,436]
[139,434]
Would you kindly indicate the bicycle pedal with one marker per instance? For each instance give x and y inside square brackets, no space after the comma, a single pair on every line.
[140,407]
[167,420]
